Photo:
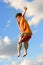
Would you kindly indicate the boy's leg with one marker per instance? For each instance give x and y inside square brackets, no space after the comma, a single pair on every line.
[25,48]
[19,46]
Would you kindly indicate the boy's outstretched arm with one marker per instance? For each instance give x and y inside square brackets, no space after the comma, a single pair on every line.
[25,9]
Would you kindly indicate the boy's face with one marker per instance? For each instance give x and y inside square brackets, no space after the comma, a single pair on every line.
[18,18]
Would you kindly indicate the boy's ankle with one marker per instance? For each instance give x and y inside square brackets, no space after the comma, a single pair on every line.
[18,54]
[25,53]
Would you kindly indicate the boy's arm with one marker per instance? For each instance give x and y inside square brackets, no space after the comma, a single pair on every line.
[25,9]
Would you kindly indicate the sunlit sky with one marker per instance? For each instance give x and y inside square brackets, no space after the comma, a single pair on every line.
[9,32]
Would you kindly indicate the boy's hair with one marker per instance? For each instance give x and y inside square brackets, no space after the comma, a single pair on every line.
[18,14]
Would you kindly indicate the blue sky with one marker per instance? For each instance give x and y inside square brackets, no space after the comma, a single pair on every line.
[9,32]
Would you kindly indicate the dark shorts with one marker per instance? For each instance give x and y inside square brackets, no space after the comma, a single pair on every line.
[25,37]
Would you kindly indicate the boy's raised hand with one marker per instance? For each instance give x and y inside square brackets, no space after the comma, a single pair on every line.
[25,8]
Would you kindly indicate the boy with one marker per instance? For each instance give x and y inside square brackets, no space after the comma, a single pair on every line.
[25,31]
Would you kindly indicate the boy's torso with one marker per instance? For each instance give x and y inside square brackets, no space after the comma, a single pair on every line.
[24,26]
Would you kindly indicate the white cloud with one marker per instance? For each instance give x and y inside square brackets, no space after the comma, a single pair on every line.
[36,20]
[41,45]
[0,60]
[6,64]
[3,56]
[1,42]
[8,47]
[35,8]
[13,63]
[6,40]
[37,61]
[25,62]
[8,23]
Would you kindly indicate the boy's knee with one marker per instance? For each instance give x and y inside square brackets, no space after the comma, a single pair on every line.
[19,46]
[19,38]
[26,45]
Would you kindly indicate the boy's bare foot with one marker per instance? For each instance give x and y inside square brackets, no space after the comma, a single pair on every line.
[24,55]
[18,55]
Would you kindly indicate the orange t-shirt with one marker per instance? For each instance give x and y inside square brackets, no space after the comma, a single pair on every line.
[24,26]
